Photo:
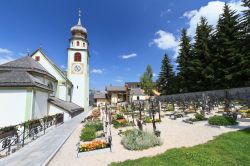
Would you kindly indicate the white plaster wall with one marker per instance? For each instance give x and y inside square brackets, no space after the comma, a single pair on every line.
[73,44]
[134,97]
[48,66]
[55,110]
[101,102]
[62,93]
[12,107]
[80,93]
[40,104]
[114,98]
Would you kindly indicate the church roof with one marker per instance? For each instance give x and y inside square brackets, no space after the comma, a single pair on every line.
[71,108]
[19,78]
[25,64]
[62,73]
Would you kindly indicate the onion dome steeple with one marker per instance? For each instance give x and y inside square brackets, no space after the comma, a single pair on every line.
[79,30]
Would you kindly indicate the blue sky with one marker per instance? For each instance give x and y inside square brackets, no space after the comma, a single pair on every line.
[124,36]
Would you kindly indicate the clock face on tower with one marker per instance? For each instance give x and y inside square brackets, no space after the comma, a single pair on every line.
[77,68]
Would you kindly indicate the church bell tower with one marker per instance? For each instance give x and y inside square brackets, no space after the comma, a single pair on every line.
[78,64]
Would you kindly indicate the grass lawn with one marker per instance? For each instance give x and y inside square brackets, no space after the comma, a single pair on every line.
[229,149]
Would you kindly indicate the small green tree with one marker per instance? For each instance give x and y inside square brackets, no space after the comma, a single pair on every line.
[146,81]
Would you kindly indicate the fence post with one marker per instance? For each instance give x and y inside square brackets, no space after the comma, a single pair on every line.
[44,125]
[24,127]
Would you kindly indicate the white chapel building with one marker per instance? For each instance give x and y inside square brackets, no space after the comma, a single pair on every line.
[33,86]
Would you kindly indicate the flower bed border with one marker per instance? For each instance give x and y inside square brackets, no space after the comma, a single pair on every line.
[94,152]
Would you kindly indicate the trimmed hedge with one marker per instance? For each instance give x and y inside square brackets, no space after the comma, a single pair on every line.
[221,121]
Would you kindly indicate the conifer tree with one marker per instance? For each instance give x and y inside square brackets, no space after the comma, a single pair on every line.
[228,54]
[203,70]
[183,61]
[246,43]
[166,77]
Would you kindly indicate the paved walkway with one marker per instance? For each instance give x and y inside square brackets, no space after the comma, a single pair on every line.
[42,150]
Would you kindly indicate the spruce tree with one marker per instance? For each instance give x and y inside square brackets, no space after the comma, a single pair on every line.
[228,54]
[166,77]
[246,43]
[203,70]
[183,61]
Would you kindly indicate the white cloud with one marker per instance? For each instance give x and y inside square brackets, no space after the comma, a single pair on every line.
[165,40]
[4,51]
[119,80]
[128,56]
[211,11]
[5,55]
[63,67]
[97,71]
[163,13]
[154,75]
[5,59]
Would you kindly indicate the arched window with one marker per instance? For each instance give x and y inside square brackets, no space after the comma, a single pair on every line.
[77,57]
[77,43]
[83,44]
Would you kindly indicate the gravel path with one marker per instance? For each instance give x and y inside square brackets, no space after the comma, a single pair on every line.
[174,133]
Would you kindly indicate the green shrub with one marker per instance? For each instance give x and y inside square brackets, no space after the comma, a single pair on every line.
[117,124]
[119,116]
[88,134]
[150,120]
[139,140]
[221,121]
[98,125]
[199,117]
[170,108]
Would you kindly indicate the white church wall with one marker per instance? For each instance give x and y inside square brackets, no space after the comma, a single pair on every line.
[47,65]
[55,110]
[13,106]
[51,69]
[62,92]
[80,81]
[40,104]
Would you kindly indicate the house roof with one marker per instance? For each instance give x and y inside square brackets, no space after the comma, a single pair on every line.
[100,96]
[19,78]
[62,73]
[132,84]
[116,88]
[25,64]
[70,107]
[136,91]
